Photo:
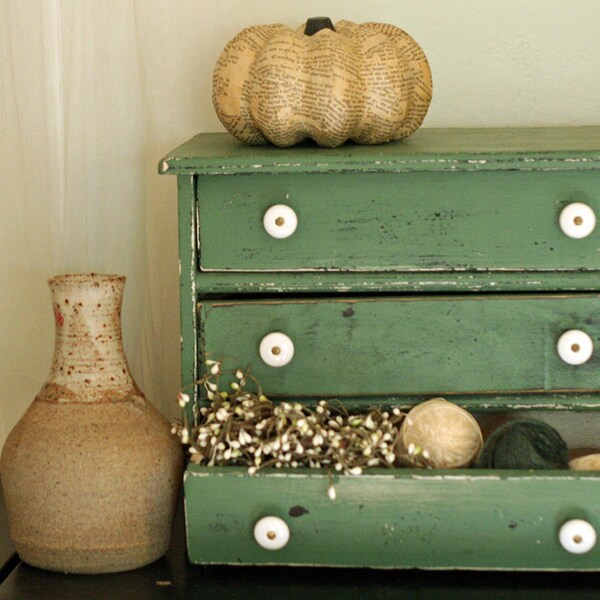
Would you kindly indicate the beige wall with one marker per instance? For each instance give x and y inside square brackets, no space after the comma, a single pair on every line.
[92,94]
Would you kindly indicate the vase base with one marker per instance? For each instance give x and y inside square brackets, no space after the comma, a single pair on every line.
[92,561]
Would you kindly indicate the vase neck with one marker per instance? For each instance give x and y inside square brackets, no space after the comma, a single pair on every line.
[89,364]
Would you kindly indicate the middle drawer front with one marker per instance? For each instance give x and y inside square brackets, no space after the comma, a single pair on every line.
[398,222]
[407,345]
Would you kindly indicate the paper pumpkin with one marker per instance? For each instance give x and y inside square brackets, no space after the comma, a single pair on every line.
[370,83]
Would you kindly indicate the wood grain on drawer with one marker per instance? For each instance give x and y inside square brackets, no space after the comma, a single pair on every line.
[425,221]
[408,345]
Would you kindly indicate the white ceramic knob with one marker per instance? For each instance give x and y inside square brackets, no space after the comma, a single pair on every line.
[280,221]
[577,536]
[575,347]
[276,349]
[577,220]
[271,533]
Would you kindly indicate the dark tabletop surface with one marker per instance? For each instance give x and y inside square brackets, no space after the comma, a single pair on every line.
[173,577]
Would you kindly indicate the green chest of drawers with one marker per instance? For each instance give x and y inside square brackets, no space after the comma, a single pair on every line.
[449,264]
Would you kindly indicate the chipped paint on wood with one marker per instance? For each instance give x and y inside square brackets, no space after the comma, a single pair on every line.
[432,344]
[451,150]
[265,283]
[400,519]
[188,261]
[453,211]
[400,223]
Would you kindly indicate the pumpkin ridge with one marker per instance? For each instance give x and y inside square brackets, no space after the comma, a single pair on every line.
[230,81]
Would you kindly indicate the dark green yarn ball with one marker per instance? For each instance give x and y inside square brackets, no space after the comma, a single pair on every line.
[524,444]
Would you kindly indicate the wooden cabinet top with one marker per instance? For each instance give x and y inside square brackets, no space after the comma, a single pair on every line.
[447,149]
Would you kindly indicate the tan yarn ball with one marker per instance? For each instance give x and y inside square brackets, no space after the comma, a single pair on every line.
[450,435]
[589,462]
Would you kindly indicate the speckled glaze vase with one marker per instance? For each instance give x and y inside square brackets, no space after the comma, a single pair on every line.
[91,472]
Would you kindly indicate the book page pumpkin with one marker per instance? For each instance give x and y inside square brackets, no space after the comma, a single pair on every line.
[370,83]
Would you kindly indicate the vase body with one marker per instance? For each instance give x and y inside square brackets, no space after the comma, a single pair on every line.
[91,472]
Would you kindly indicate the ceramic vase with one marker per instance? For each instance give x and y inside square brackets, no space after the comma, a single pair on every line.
[91,472]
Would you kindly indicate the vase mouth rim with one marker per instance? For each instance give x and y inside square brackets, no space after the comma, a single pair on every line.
[86,277]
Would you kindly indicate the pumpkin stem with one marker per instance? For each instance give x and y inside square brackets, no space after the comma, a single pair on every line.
[315,24]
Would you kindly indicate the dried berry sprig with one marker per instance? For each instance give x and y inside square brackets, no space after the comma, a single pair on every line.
[239,427]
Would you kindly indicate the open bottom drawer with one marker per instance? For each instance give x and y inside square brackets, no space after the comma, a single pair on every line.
[404,518]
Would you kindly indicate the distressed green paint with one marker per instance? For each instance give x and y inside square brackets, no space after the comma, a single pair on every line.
[188,261]
[492,220]
[396,518]
[300,283]
[567,148]
[532,247]
[383,231]
[408,345]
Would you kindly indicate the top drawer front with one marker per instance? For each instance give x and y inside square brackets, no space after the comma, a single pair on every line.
[423,221]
